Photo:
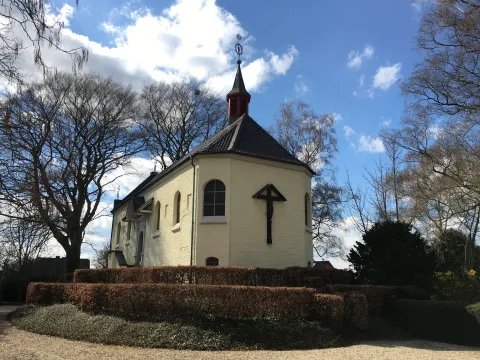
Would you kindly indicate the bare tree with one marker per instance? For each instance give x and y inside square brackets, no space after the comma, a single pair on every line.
[30,18]
[360,210]
[176,117]
[306,134]
[60,143]
[100,260]
[311,137]
[22,241]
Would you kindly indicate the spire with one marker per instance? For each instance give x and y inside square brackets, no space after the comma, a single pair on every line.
[238,98]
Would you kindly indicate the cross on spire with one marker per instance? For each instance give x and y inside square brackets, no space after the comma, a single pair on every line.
[238,98]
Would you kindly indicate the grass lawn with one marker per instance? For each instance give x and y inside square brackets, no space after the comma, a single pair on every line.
[68,322]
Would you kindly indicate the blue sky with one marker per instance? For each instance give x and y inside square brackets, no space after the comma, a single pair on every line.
[342,57]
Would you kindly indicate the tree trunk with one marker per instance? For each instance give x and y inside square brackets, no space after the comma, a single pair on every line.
[73,258]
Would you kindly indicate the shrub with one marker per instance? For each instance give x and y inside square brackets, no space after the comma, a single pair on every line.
[410,292]
[474,309]
[142,300]
[391,253]
[207,275]
[328,309]
[447,321]
[356,310]
[175,333]
[461,286]
[376,295]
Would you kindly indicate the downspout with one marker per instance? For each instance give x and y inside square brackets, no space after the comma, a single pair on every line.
[193,211]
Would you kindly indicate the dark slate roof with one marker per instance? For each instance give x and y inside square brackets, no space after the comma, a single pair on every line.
[238,84]
[243,137]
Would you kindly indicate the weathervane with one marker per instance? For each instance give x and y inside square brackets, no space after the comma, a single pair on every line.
[238,47]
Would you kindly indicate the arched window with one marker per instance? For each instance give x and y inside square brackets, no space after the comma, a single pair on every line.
[211,261]
[214,199]
[307,209]
[158,209]
[129,230]
[178,201]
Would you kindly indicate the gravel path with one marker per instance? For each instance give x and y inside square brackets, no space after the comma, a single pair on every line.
[17,344]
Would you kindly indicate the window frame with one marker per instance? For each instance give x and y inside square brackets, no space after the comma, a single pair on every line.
[212,258]
[178,204]
[158,213]
[307,207]
[216,215]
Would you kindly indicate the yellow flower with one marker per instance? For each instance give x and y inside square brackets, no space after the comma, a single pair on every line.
[471,273]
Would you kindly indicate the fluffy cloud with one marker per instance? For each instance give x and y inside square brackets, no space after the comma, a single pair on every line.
[370,144]
[419,5]
[145,46]
[386,76]
[300,87]
[356,58]
[349,235]
[348,130]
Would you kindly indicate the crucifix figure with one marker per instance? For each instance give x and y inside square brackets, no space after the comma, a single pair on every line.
[270,194]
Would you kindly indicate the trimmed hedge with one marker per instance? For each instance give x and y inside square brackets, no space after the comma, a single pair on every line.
[377,295]
[356,310]
[447,321]
[411,292]
[214,275]
[328,309]
[143,300]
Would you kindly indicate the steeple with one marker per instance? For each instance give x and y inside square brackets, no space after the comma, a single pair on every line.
[238,98]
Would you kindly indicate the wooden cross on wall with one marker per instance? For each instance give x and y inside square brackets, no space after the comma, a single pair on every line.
[270,194]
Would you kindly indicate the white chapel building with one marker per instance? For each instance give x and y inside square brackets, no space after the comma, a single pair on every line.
[238,199]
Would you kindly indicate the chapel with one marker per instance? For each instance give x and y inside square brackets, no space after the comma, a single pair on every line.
[238,199]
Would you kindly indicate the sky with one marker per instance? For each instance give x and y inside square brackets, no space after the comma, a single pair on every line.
[342,57]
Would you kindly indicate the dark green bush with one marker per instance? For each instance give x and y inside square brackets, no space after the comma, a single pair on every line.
[447,321]
[461,286]
[411,292]
[218,275]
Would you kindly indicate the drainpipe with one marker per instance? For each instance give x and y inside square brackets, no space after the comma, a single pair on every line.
[193,211]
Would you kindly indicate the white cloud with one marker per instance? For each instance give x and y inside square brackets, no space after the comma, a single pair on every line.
[356,58]
[349,235]
[419,5]
[348,130]
[361,80]
[147,46]
[386,123]
[370,144]
[300,87]
[386,76]
[337,117]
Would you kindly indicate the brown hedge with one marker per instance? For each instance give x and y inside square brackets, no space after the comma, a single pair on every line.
[203,275]
[377,295]
[140,300]
[356,310]
[328,309]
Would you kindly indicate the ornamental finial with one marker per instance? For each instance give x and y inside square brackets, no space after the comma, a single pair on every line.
[239,48]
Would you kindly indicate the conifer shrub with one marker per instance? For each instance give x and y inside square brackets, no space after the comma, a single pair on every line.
[218,275]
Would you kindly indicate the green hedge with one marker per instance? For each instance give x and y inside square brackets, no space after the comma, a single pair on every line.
[209,275]
[447,321]
[411,292]
[143,300]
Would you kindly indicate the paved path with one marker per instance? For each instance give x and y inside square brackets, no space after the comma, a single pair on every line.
[17,344]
